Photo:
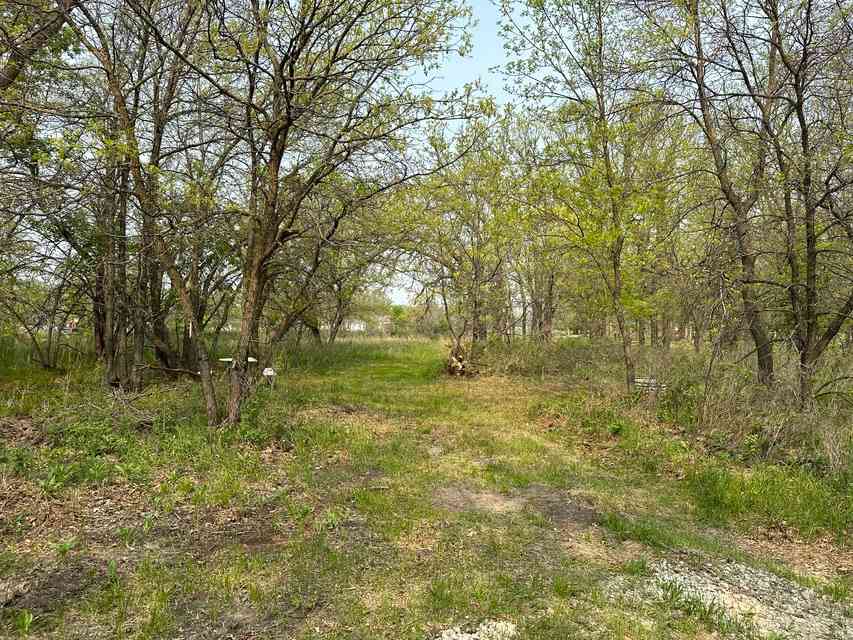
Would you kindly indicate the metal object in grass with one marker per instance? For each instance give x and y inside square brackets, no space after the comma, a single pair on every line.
[649,385]
[269,375]
[230,361]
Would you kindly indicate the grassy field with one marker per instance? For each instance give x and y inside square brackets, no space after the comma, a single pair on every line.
[368,495]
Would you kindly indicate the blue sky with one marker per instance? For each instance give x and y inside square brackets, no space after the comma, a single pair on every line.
[487,52]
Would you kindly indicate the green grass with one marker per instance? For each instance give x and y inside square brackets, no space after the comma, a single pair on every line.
[771,494]
[320,515]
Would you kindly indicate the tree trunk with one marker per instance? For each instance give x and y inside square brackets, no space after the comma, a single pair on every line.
[239,372]
[478,329]
[760,338]
[666,332]
[627,355]
[334,328]
[696,335]
[806,375]
[99,302]
[547,316]
[740,205]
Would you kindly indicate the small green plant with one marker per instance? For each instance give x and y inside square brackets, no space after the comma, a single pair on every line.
[24,621]
[838,589]
[298,512]
[564,587]
[445,594]
[147,523]
[679,402]
[752,446]
[128,535]
[649,532]
[56,477]
[19,460]
[710,613]
[616,428]
[332,519]
[62,549]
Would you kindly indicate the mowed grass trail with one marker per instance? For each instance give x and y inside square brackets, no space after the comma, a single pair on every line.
[368,495]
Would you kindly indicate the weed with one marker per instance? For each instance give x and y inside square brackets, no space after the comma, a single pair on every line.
[24,622]
[565,587]
[62,549]
[128,535]
[637,567]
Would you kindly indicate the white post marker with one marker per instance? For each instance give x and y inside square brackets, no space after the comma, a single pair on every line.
[249,360]
[269,375]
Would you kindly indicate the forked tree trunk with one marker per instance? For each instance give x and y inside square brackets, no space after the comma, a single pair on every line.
[739,203]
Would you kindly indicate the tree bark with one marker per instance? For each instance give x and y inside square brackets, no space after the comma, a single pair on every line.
[23,52]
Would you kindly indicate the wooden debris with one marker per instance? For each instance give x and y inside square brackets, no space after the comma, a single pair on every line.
[458,363]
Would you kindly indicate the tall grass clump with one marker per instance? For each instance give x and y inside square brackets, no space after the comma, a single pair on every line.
[774,494]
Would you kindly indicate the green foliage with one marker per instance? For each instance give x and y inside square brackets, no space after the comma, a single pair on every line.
[679,402]
[65,547]
[776,495]
[24,621]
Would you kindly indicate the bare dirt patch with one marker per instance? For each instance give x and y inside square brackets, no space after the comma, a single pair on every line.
[557,506]
[560,507]
[573,518]
[822,557]
[461,499]
[254,527]
[49,587]
[20,430]
[85,513]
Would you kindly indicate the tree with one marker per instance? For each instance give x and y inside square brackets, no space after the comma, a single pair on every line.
[460,234]
[767,84]
[609,164]
[29,28]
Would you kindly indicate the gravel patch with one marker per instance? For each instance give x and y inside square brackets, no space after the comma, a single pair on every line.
[488,630]
[770,604]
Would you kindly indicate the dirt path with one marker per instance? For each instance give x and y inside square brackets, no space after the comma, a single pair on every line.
[377,501]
